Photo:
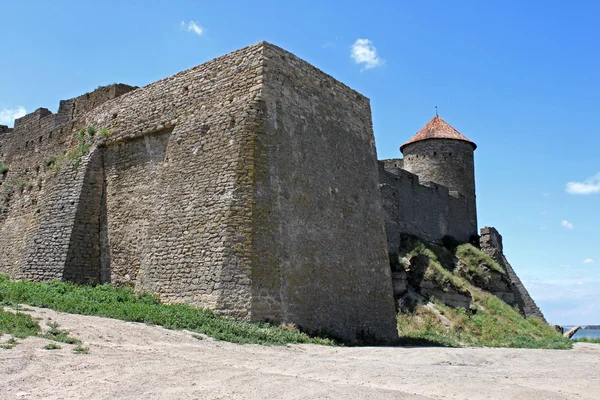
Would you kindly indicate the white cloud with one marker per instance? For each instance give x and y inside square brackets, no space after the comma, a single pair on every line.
[588,261]
[589,186]
[363,52]
[543,228]
[8,115]
[192,26]
[567,224]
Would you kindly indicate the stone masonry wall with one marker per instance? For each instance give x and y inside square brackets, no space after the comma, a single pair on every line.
[34,191]
[319,246]
[491,243]
[178,183]
[423,209]
[446,162]
[56,242]
[132,193]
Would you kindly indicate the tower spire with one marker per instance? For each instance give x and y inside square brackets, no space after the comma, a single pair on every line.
[436,111]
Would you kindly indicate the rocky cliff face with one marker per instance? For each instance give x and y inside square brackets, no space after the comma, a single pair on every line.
[449,274]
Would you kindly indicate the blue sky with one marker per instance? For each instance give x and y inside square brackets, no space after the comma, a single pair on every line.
[518,78]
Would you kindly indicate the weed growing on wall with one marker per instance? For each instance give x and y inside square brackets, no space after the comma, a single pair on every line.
[104,133]
[3,168]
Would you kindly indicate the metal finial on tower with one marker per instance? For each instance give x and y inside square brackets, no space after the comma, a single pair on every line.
[436,112]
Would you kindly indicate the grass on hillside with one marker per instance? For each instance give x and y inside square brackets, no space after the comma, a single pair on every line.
[435,271]
[122,303]
[490,322]
[493,324]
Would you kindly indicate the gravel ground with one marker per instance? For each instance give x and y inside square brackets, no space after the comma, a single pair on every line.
[135,361]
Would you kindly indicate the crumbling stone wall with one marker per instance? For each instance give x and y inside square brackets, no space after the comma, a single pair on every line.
[491,243]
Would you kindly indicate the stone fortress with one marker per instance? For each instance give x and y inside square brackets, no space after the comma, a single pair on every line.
[248,184]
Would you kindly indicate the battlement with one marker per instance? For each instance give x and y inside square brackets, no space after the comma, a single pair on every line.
[394,167]
[71,108]
[80,105]
[32,118]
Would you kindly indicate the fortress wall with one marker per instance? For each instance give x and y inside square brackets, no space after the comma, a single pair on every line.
[27,150]
[53,231]
[317,186]
[423,209]
[35,195]
[132,193]
[178,183]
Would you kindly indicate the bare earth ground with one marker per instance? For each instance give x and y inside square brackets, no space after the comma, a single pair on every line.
[136,361]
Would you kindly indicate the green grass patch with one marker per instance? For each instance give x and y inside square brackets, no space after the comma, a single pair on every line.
[475,265]
[122,303]
[444,278]
[471,255]
[17,324]
[9,344]
[434,270]
[59,335]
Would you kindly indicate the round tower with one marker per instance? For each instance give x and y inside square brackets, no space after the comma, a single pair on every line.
[439,153]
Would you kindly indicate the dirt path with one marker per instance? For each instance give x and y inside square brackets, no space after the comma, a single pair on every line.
[135,361]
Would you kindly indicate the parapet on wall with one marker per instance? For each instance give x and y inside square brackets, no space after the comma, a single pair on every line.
[423,209]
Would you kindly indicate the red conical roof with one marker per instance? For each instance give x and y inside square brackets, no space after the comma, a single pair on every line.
[437,128]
